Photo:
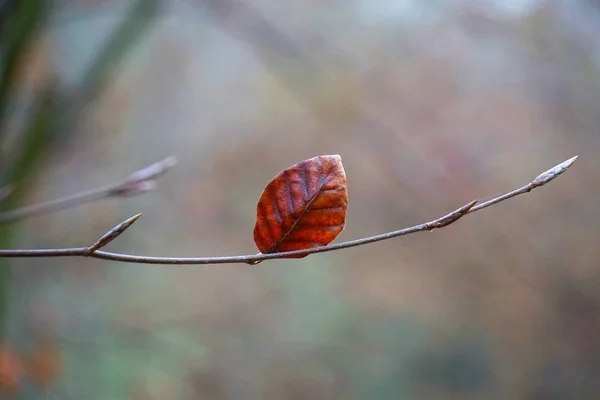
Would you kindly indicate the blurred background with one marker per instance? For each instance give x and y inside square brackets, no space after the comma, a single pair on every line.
[430,104]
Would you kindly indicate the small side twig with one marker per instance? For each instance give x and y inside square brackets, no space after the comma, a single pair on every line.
[112,234]
[137,183]
[92,251]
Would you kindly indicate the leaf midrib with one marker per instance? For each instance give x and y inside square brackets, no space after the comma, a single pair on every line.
[304,211]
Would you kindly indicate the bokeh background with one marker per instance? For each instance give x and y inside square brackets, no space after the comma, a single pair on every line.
[430,104]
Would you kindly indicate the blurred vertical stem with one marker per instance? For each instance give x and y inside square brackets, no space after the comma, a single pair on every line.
[136,23]
[51,115]
[20,21]
[38,133]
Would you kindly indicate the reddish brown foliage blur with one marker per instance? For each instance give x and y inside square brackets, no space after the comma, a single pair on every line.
[11,370]
[41,366]
[44,364]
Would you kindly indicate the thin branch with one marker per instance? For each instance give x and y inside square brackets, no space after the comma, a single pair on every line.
[441,222]
[137,183]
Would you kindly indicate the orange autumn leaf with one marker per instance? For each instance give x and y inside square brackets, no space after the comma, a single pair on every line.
[303,207]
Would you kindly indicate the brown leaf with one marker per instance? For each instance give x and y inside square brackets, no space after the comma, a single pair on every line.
[303,207]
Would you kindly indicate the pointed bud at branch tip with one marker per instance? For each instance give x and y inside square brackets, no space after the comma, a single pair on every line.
[144,180]
[153,171]
[113,234]
[553,172]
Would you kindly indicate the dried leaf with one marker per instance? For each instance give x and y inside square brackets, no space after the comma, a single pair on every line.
[303,207]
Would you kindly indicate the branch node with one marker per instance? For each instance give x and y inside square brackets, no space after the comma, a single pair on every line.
[451,217]
[112,234]
[255,259]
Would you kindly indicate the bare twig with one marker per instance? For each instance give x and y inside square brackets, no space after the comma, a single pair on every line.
[441,222]
[137,183]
